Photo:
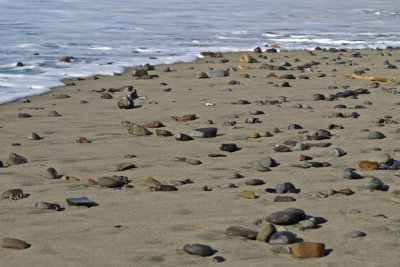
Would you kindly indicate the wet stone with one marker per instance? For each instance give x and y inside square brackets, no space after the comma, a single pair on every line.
[199,250]
[241,232]
[219,259]
[23,115]
[254,182]
[354,211]
[288,216]
[15,159]
[282,238]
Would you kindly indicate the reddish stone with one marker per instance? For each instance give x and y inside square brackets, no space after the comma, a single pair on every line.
[371,165]
[154,124]
[346,191]
[308,250]
[188,117]
[61,96]
[82,140]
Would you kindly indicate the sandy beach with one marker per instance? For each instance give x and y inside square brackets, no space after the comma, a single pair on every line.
[134,225]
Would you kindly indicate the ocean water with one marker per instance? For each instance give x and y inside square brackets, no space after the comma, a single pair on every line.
[103,37]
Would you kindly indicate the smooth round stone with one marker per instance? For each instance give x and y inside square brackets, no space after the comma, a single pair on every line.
[354,211]
[355,234]
[13,193]
[267,162]
[282,238]
[233,116]
[193,161]
[265,234]
[198,249]
[314,164]
[51,173]
[337,152]
[254,182]
[53,113]
[182,137]
[298,105]
[285,188]
[351,175]
[13,243]
[340,106]
[380,157]
[255,112]
[307,224]
[218,259]
[294,126]
[396,165]
[109,182]
[47,206]
[237,176]
[375,135]
[317,97]
[281,148]
[228,147]
[262,168]
[374,184]
[241,231]
[288,216]
[299,147]
[330,192]
[33,136]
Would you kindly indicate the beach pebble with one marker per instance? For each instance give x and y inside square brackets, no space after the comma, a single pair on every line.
[248,194]
[53,113]
[204,132]
[199,250]
[139,72]
[294,126]
[137,130]
[299,147]
[109,182]
[317,97]
[285,188]
[287,76]
[255,112]
[47,206]
[7,242]
[287,216]
[254,182]
[282,238]
[154,124]
[247,59]
[160,132]
[193,161]
[375,184]
[380,157]
[81,140]
[217,73]
[13,194]
[241,231]
[354,211]
[219,259]
[15,159]
[283,198]
[126,103]
[182,137]
[355,234]
[371,165]
[337,152]
[51,173]
[120,167]
[228,147]
[266,162]
[163,187]
[33,136]
[306,224]
[308,250]
[375,135]
[347,174]
[81,201]
[264,234]
[281,148]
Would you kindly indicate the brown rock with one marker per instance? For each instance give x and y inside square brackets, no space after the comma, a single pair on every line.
[137,130]
[308,250]
[248,194]
[337,115]
[247,59]
[360,91]
[160,132]
[154,124]
[120,167]
[271,75]
[128,186]
[290,143]
[151,180]
[187,117]
[304,157]
[284,199]
[65,59]
[91,182]
[371,165]
[61,96]
[126,103]
[202,75]
[211,54]
[81,140]
[321,195]
[13,243]
[254,135]
[396,192]
[334,126]
[346,191]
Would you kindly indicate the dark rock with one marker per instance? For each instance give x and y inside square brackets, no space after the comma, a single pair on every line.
[13,194]
[15,159]
[183,137]
[139,72]
[281,148]
[375,184]
[82,201]
[375,135]
[285,188]
[160,132]
[219,259]
[288,216]
[33,136]
[51,173]
[126,103]
[267,162]
[216,155]
[355,234]
[199,250]
[24,115]
[294,126]
[109,182]
[255,182]
[163,187]
[241,231]
[317,97]
[282,238]
[228,147]
[351,175]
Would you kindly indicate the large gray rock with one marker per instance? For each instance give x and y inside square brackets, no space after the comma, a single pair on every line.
[137,130]
[287,216]
[266,162]
[375,184]
[282,238]
[375,135]
[198,249]
[204,132]
[241,231]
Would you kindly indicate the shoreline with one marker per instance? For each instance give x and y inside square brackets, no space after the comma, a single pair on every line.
[138,226]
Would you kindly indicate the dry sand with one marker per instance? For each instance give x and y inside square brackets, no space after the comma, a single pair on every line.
[156,225]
